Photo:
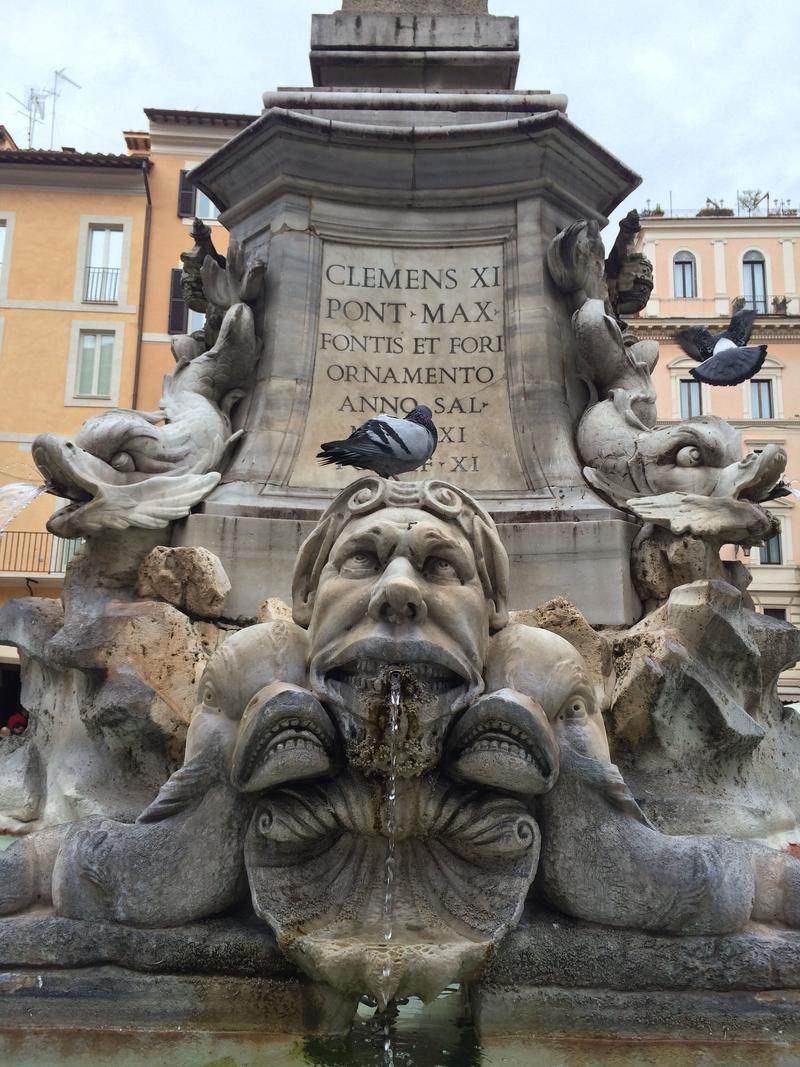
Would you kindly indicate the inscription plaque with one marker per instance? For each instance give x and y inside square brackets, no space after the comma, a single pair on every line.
[406,326]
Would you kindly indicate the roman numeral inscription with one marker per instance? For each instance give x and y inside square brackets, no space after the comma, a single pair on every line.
[405,326]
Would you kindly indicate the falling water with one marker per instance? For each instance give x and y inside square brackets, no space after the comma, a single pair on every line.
[391,808]
[391,832]
[15,498]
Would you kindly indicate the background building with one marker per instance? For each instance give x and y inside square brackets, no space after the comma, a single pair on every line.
[73,231]
[175,142]
[706,266]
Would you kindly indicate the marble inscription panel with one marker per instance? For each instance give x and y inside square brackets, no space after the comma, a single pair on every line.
[406,326]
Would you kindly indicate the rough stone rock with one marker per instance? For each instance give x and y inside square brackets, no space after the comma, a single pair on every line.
[109,682]
[661,561]
[191,579]
[274,608]
[696,724]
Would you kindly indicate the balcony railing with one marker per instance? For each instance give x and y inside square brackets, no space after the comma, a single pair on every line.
[100,285]
[763,304]
[35,552]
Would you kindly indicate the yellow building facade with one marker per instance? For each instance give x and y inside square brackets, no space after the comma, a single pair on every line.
[706,267]
[73,235]
[176,141]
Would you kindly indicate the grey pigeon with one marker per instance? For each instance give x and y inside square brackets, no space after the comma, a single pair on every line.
[386,445]
[724,358]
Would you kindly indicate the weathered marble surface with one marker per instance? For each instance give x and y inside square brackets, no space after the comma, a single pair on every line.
[696,722]
[108,678]
[403,587]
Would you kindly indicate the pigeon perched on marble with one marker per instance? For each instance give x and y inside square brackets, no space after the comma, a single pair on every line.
[725,358]
[385,444]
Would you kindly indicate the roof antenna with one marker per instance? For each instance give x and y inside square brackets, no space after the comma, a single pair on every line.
[32,109]
[58,76]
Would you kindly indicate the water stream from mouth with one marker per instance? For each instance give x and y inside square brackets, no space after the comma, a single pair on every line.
[14,498]
[391,833]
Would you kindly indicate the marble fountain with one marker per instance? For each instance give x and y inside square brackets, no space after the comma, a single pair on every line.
[502,736]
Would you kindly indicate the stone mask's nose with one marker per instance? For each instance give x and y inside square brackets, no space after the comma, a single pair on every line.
[397,597]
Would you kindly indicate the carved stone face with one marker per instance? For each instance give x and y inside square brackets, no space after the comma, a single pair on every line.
[400,591]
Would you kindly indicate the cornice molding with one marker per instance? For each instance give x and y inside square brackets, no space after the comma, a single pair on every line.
[785,329]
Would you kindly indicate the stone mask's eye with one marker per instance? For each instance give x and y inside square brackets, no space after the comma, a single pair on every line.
[438,568]
[123,461]
[360,564]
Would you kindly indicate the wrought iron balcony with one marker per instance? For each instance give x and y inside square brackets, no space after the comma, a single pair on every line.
[35,552]
[101,285]
[764,304]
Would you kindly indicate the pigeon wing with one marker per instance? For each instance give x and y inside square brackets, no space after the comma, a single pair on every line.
[741,327]
[374,439]
[732,366]
[696,341]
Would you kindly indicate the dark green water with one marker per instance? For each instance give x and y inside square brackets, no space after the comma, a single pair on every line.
[436,1035]
[407,1035]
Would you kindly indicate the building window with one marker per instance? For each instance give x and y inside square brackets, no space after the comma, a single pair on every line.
[192,203]
[691,398]
[203,208]
[755,282]
[771,551]
[104,258]
[685,275]
[195,321]
[776,613]
[6,235]
[761,402]
[95,365]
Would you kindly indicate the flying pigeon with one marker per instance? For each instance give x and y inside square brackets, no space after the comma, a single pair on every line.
[783,488]
[385,444]
[723,357]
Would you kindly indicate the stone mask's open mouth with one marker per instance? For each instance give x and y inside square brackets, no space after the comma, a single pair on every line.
[367,675]
[431,675]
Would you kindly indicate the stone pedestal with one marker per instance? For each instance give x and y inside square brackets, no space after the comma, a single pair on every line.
[406,232]
[551,978]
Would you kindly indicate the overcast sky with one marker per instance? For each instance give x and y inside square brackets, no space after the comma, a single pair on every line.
[700,97]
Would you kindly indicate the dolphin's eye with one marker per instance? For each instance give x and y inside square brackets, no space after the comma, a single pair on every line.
[438,568]
[689,457]
[575,708]
[360,564]
[123,461]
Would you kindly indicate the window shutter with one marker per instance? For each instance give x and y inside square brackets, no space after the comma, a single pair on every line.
[178,311]
[186,193]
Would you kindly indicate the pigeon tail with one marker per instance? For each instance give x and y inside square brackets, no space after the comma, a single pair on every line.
[732,366]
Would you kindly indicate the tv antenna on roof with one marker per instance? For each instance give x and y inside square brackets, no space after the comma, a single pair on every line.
[58,76]
[32,109]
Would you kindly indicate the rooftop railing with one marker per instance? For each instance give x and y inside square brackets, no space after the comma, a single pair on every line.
[715,213]
[35,552]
